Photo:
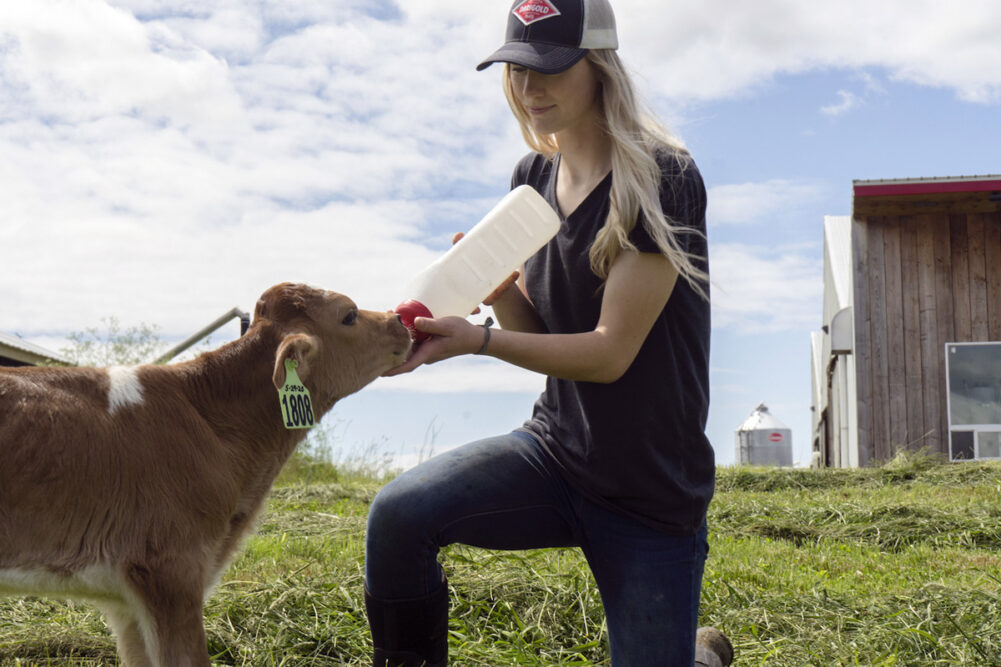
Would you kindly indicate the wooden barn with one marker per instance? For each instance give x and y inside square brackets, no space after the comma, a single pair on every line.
[909,354]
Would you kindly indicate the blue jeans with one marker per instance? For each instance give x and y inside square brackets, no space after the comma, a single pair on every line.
[507,493]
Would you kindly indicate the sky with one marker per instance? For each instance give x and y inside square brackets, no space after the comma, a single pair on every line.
[166,160]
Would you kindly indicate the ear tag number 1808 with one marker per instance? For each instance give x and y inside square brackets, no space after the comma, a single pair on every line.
[297,408]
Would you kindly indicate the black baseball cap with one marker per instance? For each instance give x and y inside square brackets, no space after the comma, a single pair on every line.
[550,36]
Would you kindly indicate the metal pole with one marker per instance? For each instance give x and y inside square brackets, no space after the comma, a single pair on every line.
[205,331]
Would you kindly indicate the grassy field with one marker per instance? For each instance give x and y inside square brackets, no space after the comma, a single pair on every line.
[899,565]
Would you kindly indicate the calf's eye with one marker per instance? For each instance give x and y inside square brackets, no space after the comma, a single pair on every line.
[350,318]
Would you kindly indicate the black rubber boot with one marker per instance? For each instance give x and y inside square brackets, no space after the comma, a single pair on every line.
[409,633]
[712,648]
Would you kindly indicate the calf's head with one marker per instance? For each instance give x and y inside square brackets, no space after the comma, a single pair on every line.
[339,348]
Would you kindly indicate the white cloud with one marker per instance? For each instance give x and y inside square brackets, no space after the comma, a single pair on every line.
[759,289]
[181,274]
[749,203]
[712,49]
[85,60]
[848,102]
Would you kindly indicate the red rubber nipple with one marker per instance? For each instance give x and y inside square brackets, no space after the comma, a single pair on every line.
[408,311]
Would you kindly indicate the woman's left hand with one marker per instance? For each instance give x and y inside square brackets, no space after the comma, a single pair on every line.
[450,337]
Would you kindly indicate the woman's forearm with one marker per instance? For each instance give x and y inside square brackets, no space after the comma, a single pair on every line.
[635,293]
[586,357]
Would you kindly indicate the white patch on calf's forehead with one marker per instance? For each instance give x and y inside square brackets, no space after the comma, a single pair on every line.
[124,387]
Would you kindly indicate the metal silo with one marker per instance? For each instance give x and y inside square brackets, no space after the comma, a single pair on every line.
[762,440]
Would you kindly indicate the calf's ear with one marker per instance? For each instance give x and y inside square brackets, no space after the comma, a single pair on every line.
[300,347]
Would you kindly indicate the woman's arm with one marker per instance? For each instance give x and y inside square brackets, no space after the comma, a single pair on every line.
[637,289]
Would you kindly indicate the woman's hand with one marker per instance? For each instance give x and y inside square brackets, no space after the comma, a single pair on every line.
[450,337]
[501,289]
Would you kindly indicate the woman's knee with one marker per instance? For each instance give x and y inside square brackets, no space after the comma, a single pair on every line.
[395,508]
[400,546]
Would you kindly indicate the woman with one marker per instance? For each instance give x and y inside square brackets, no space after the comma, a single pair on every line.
[614,310]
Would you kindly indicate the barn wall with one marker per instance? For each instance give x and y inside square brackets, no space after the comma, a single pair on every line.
[920,281]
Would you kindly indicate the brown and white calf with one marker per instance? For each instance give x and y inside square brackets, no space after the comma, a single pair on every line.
[131,487]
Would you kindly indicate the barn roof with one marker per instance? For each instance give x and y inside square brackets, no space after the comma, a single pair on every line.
[914,196]
[18,349]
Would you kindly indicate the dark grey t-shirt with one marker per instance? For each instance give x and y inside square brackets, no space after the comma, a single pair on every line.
[636,445]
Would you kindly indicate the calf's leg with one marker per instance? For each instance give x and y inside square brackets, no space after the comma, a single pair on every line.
[128,633]
[172,595]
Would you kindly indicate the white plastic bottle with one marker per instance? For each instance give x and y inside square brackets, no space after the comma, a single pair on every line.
[456,283]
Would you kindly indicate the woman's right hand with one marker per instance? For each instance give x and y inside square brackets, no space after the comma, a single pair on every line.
[497,293]
[448,337]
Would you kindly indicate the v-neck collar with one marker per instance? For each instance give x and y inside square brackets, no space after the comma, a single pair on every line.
[600,186]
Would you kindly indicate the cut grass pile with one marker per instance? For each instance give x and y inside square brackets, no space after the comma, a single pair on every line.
[897,565]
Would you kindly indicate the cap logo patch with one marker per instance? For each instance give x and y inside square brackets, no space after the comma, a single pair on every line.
[531,11]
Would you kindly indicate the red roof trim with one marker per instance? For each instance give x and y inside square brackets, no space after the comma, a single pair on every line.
[925,188]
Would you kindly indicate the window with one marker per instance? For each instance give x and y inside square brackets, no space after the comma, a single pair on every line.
[973,380]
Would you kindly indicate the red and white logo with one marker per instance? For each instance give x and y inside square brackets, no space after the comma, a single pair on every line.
[531,11]
[775,436]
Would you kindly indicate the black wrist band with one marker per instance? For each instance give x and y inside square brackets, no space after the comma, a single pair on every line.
[486,335]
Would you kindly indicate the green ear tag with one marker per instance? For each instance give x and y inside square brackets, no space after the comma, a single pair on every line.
[297,408]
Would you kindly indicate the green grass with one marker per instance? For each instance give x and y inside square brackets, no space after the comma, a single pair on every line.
[898,565]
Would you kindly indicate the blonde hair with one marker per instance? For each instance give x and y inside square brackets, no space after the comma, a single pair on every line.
[637,140]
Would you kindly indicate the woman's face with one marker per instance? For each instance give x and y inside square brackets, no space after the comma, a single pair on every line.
[557,102]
